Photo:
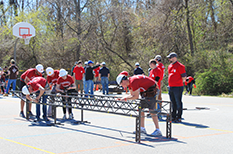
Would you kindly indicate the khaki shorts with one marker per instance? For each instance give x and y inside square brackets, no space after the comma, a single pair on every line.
[148,102]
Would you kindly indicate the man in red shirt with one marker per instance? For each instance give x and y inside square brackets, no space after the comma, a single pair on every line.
[189,82]
[156,74]
[97,78]
[145,86]
[37,85]
[158,59]
[65,85]
[78,76]
[52,76]
[176,77]
[24,79]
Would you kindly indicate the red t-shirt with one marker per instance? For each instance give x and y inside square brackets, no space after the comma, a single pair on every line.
[97,70]
[175,73]
[37,82]
[140,82]
[161,66]
[30,73]
[53,79]
[156,72]
[190,79]
[79,71]
[65,83]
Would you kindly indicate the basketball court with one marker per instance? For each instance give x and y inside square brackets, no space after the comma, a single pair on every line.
[206,128]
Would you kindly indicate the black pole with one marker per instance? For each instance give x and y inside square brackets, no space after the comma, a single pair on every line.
[27,109]
[15,49]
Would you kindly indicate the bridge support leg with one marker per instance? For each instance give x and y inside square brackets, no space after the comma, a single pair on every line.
[27,109]
[169,126]
[82,114]
[82,121]
[54,111]
[138,126]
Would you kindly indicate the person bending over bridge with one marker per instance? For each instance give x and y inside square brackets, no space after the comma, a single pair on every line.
[146,87]
[65,85]
[52,76]
[37,85]
[24,79]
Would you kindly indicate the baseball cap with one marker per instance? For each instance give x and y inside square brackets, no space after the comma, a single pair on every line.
[171,55]
[103,63]
[158,57]
[137,64]
[90,62]
[12,60]
[85,62]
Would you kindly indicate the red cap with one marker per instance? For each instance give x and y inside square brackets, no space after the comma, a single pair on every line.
[124,73]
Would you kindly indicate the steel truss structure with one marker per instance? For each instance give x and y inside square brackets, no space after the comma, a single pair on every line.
[102,103]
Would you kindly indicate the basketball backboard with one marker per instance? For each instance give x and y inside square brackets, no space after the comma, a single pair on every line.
[24,30]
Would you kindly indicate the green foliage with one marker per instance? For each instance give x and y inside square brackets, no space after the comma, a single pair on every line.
[217,79]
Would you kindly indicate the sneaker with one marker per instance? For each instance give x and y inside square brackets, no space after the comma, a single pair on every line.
[178,120]
[71,116]
[156,133]
[45,118]
[143,130]
[30,113]
[64,117]
[37,120]
[21,114]
[5,94]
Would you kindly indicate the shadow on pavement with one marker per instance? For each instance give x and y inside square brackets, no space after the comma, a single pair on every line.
[194,125]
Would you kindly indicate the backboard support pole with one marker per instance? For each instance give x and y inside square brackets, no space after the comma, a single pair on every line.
[15,49]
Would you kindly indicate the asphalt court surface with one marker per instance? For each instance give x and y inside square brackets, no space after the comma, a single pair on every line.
[209,130]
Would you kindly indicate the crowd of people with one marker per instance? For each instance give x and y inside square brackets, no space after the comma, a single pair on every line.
[82,80]
[8,77]
[57,81]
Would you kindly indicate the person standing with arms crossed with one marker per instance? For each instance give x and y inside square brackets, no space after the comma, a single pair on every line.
[176,77]
[25,78]
[13,71]
[78,76]
[104,77]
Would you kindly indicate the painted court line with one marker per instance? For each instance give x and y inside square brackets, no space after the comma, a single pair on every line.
[181,137]
[26,145]
[101,148]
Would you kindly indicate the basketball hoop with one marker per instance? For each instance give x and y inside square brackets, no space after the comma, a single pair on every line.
[24,30]
[26,38]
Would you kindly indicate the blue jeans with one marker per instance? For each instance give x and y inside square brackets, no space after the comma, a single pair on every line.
[89,86]
[44,100]
[104,82]
[175,94]
[10,81]
[84,85]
